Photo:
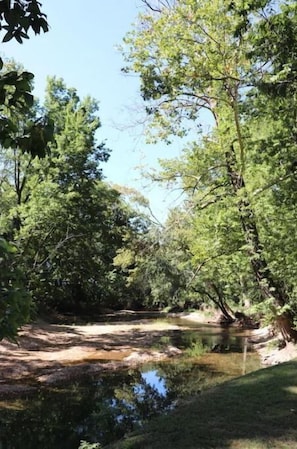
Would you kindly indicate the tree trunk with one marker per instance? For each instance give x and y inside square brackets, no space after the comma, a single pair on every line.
[268,285]
[221,303]
[218,301]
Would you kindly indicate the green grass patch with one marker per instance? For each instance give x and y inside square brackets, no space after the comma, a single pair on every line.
[196,349]
[163,342]
[256,411]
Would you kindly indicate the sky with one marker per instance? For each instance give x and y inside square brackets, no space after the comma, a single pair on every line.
[82,48]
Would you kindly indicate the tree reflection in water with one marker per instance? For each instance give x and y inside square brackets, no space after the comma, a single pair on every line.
[105,408]
[100,410]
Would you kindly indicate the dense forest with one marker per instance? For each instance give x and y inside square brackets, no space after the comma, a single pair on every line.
[221,76]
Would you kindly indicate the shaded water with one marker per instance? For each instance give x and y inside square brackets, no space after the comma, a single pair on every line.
[105,407]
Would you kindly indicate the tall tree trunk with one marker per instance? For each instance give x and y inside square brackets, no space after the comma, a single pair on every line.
[268,285]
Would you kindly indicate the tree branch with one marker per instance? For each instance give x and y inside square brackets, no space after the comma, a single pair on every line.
[274,182]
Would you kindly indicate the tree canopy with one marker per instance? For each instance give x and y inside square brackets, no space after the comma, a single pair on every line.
[216,61]
[219,75]
[16,20]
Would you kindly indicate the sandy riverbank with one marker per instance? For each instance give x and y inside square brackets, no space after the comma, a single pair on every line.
[48,352]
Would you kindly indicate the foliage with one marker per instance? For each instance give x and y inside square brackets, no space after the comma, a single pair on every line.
[85,246]
[15,301]
[19,16]
[86,445]
[197,349]
[150,269]
[70,223]
[212,60]
[16,19]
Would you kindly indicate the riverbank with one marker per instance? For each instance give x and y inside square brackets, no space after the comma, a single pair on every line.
[255,411]
[47,353]
[266,342]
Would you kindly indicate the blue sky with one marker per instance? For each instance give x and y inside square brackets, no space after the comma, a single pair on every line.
[81,48]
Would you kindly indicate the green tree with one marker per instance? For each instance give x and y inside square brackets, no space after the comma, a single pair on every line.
[69,224]
[16,20]
[192,57]
[15,305]
[72,222]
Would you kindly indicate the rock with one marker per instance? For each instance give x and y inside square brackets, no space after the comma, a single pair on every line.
[276,356]
[172,351]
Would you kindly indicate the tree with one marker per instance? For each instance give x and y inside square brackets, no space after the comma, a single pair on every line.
[68,223]
[72,222]
[16,20]
[192,57]
[15,305]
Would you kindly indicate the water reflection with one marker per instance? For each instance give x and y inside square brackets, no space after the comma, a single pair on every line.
[97,410]
[156,381]
[103,409]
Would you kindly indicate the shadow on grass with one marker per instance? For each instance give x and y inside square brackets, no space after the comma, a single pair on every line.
[257,411]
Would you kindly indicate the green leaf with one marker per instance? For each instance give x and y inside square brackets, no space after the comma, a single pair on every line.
[29,99]
[8,36]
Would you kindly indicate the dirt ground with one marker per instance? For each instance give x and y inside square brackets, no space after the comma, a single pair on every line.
[47,353]
[269,346]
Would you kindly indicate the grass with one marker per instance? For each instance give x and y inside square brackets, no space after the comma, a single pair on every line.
[256,411]
[163,342]
[196,349]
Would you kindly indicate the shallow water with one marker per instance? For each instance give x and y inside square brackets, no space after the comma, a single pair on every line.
[105,407]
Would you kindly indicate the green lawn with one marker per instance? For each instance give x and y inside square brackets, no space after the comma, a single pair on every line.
[256,411]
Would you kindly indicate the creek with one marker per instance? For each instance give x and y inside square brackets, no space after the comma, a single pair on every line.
[103,407]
